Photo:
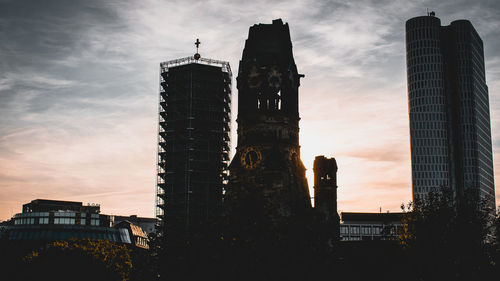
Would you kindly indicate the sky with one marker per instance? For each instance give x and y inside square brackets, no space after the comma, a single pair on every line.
[79,86]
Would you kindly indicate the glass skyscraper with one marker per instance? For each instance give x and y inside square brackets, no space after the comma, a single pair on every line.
[450,130]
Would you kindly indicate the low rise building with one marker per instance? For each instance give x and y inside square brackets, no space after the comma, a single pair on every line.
[369,226]
[148,225]
[48,220]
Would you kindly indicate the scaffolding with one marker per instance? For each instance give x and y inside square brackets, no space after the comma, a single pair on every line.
[194,124]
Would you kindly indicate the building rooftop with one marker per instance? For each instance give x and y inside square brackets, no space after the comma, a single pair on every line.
[44,205]
[191,60]
[370,217]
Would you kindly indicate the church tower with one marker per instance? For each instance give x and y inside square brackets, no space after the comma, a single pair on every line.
[267,161]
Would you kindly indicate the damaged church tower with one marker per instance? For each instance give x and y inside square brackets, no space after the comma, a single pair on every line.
[325,193]
[267,165]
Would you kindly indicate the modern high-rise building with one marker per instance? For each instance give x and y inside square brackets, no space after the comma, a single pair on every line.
[193,140]
[450,130]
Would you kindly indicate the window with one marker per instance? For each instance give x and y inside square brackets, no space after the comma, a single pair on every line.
[366,230]
[344,230]
[355,229]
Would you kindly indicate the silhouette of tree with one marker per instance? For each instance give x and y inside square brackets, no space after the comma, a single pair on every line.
[448,239]
[78,260]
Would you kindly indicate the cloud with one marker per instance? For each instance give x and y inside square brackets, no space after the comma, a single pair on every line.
[387,153]
[79,90]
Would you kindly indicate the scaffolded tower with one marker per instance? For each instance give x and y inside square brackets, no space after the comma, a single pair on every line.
[193,140]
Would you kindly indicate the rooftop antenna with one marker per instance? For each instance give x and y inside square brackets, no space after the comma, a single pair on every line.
[197,43]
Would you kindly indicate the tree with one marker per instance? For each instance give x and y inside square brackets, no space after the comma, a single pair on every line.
[446,237]
[78,260]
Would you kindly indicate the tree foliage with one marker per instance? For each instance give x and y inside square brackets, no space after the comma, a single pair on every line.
[78,260]
[449,238]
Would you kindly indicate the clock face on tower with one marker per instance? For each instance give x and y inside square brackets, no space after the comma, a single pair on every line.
[293,155]
[251,158]
[274,79]
[254,80]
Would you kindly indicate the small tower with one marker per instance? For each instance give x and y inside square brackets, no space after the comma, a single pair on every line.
[325,190]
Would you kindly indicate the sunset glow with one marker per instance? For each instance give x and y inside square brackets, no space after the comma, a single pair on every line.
[79,92]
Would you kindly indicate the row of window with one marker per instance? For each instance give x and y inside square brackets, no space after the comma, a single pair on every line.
[64,214]
[431,103]
[419,160]
[57,220]
[427,134]
[348,230]
[56,214]
[427,189]
[34,214]
[431,171]
[428,30]
[422,82]
[58,235]
[432,174]
[412,53]
[422,43]
[429,182]
[428,92]
[428,116]
[431,142]
[424,60]
[64,220]
[435,68]
[418,127]
[423,75]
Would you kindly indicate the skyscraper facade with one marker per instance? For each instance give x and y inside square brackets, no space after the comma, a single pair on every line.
[450,132]
[193,140]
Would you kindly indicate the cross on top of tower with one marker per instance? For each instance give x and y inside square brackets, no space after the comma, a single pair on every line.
[197,43]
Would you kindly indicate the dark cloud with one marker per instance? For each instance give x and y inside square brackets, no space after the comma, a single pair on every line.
[39,32]
[45,50]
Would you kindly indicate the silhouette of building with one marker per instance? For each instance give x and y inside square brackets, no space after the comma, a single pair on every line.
[136,234]
[325,186]
[325,191]
[193,141]
[147,224]
[448,108]
[43,205]
[370,226]
[267,161]
[48,220]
